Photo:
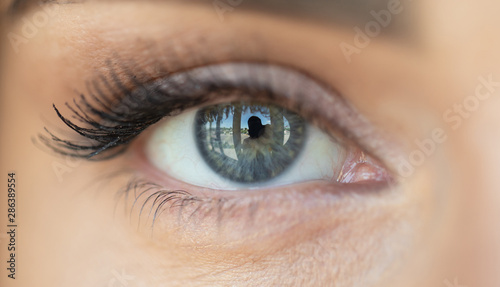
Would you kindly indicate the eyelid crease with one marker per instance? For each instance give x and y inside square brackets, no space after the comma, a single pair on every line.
[116,110]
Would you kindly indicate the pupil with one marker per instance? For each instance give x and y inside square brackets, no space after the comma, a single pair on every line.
[249,142]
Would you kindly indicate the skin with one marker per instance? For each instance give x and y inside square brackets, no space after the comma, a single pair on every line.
[427,229]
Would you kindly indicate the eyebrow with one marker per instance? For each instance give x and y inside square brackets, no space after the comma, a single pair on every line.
[339,12]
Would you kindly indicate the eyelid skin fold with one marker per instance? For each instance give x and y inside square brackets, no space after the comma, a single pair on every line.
[114,113]
[171,212]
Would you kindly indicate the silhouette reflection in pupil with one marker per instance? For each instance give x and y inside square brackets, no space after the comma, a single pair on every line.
[255,127]
[256,155]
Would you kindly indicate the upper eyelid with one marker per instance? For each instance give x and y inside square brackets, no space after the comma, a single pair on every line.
[338,114]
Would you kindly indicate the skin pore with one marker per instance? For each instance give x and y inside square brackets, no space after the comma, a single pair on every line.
[438,224]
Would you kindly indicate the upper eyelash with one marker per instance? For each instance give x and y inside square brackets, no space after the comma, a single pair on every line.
[105,128]
[117,109]
[123,114]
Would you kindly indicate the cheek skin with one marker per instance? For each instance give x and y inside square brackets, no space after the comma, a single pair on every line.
[328,246]
[309,244]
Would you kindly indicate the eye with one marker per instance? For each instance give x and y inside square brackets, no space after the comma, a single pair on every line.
[254,144]
[221,141]
[226,127]
[234,145]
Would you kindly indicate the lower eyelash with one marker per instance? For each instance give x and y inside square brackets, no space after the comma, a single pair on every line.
[146,202]
[150,200]
[155,199]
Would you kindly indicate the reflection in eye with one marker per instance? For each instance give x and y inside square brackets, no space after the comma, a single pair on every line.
[250,154]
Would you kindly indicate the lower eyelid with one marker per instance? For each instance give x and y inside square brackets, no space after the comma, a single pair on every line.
[207,219]
[208,216]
